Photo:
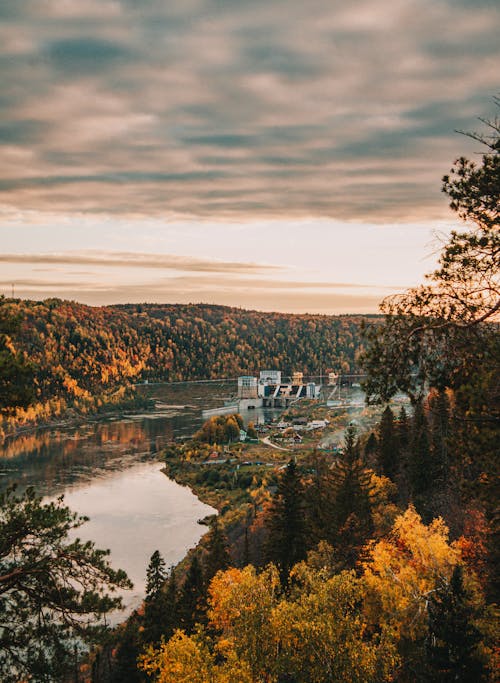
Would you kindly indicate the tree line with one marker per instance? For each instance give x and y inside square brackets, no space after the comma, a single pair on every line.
[56,355]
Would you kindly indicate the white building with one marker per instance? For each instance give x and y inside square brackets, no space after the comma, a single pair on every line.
[270,376]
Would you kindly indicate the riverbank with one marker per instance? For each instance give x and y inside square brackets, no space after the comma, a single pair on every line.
[26,421]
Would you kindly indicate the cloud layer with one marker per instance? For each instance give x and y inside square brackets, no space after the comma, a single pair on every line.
[238,110]
[136,260]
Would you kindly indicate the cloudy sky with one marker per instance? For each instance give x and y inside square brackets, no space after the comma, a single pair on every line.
[277,154]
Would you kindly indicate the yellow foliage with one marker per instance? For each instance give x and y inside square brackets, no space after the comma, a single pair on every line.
[322,632]
[182,660]
[188,659]
[404,569]
[240,606]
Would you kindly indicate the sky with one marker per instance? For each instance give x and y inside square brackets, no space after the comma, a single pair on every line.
[274,155]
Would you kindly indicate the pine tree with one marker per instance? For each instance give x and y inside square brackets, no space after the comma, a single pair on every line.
[155,575]
[403,429]
[420,465]
[192,603]
[452,644]
[124,662]
[217,556]
[320,507]
[171,619]
[440,422]
[388,447]
[371,448]
[350,488]
[286,523]
[155,604]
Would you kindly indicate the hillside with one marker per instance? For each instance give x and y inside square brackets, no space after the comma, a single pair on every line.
[83,356]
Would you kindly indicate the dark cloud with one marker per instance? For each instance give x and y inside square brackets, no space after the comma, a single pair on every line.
[22,131]
[86,56]
[237,110]
[112,178]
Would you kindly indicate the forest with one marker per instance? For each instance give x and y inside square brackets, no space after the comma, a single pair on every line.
[376,564]
[59,355]
[379,564]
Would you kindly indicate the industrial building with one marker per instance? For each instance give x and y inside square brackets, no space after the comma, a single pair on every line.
[270,391]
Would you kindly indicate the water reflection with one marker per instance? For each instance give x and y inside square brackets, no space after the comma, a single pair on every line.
[108,470]
[134,512]
[54,460]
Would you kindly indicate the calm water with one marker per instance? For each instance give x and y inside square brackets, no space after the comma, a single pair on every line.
[109,471]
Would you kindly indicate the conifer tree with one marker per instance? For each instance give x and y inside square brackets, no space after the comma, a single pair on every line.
[439,422]
[170,619]
[155,605]
[192,597]
[320,508]
[217,556]
[388,447]
[403,429]
[351,486]
[124,662]
[452,644]
[371,448]
[155,575]
[420,465]
[286,523]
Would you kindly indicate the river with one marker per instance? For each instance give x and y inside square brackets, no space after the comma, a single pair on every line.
[109,470]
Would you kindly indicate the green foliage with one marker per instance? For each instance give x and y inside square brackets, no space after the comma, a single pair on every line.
[123,666]
[155,575]
[192,599]
[217,554]
[444,336]
[350,487]
[53,590]
[157,608]
[434,334]
[286,522]
[388,446]
[452,643]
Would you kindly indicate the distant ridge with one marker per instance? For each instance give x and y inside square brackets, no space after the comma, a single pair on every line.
[78,352]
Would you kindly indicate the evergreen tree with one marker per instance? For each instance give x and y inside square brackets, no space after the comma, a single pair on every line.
[217,556]
[452,643]
[420,465]
[388,447]
[54,590]
[156,607]
[286,543]
[192,597]
[155,575]
[170,617]
[403,429]
[320,507]
[126,653]
[371,448]
[439,422]
[403,478]
[351,488]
